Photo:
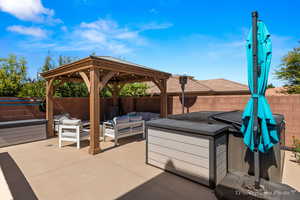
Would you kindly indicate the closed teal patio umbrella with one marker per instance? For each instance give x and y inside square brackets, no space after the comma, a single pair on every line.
[258,125]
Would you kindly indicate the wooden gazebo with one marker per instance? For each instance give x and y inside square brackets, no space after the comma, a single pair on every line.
[98,72]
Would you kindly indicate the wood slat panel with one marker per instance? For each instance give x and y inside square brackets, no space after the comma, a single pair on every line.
[20,139]
[181,169]
[11,132]
[180,146]
[179,155]
[180,138]
[18,135]
[167,160]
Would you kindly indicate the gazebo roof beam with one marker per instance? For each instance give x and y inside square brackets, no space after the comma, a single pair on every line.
[103,64]
[131,81]
[110,65]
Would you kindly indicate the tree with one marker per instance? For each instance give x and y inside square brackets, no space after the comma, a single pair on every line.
[70,89]
[14,82]
[62,60]
[12,75]
[270,86]
[33,88]
[48,63]
[134,89]
[37,87]
[290,71]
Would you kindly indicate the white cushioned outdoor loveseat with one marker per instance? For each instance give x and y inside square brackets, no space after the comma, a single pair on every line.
[123,126]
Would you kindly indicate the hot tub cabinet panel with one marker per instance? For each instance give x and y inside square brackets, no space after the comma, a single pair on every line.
[194,152]
[221,158]
[22,131]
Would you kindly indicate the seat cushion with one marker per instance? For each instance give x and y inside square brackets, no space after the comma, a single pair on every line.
[71,122]
[61,116]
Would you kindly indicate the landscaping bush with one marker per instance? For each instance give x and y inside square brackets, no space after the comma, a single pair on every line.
[296,148]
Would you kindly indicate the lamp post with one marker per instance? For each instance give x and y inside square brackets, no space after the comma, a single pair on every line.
[183,82]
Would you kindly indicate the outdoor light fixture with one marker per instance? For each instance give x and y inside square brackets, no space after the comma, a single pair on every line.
[183,82]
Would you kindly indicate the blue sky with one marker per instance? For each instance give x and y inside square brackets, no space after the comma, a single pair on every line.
[205,39]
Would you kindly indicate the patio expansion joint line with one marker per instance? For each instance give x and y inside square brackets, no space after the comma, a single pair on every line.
[129,170]
[58,168]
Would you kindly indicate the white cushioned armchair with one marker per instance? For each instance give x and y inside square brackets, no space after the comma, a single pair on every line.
[123,126]
[72,131]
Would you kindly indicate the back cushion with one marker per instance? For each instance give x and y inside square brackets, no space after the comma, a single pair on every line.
[132,114]
[135,118]
[121,119]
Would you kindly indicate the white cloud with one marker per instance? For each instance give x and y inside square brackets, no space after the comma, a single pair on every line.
[155,26]
[101,24]
[106,34]
[32,31]
[103,36]
[92,36]
[64,28]
[28,10]
[110,29]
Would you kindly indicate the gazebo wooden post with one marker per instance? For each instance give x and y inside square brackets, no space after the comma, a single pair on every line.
[49,107]
[163,99]
[94,111]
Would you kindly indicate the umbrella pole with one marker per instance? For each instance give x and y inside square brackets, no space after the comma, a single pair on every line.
[255,106]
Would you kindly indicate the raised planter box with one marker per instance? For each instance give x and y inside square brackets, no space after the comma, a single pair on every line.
[197,151]
[22,131]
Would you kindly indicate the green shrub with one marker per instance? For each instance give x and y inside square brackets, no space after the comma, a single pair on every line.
[296,148]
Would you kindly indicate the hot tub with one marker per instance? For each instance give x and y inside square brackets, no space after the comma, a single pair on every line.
[240,158]
[22,131]
[197,151]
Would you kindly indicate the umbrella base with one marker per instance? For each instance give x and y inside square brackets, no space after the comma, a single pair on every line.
[240,186]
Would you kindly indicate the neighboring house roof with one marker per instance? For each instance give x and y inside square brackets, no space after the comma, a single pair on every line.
[205,87]
[174,87]
[224,85]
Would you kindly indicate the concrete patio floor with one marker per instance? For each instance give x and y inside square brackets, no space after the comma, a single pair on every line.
[291,171]
[40,170]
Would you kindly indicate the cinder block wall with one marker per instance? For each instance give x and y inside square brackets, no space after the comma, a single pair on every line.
[13,108]
[79,107]
[288,105]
